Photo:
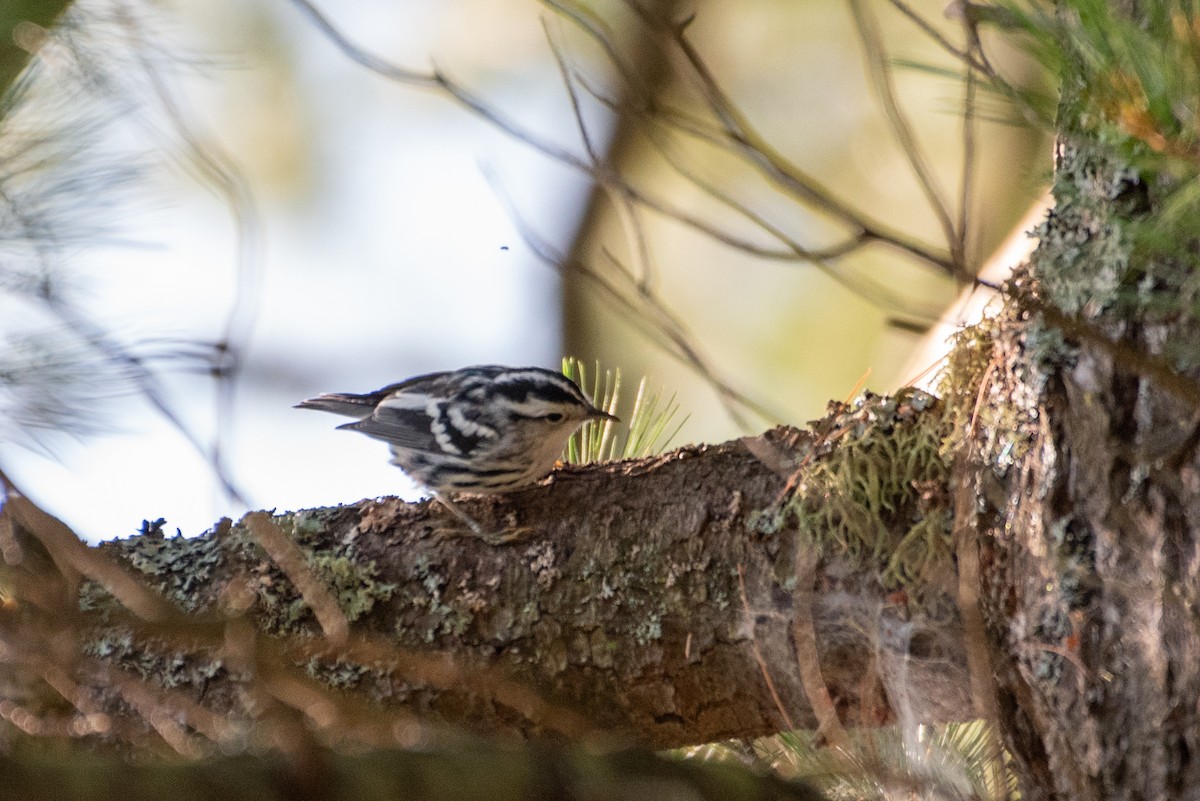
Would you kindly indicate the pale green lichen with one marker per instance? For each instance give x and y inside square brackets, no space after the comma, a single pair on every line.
[177,567]
[339,674]
[873,490]
[352,581]
[991,402]
[1089,243]
[354,585]
[168,667]
[648,630]
[182,567]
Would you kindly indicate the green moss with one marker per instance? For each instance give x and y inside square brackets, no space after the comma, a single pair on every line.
[873,489]
[991,399]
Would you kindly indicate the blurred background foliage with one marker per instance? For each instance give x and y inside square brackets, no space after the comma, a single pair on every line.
[789,333]
[255,218]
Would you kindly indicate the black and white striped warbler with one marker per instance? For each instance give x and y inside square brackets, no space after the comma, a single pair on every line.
[486,429]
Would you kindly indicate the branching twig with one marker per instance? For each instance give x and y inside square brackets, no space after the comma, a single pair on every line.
[290,559]
[75,560]
[973,59]
[745,139]
[661,326]
[969,144]
[758,656]
[877,69]
[222,175]
[808,663]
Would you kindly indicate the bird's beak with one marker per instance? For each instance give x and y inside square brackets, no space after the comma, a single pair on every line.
[600,414]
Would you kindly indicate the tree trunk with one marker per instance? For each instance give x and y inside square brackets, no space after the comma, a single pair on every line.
[1091,588]
[1086,450]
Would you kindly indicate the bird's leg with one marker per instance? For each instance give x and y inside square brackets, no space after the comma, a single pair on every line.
[454,508]
[506,537]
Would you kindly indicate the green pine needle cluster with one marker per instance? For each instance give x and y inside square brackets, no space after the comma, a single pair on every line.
[954,760]
[1140,75]
[1136,89]
[1128,170]
[648,428]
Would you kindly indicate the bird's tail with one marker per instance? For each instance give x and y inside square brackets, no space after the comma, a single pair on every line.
[342,403]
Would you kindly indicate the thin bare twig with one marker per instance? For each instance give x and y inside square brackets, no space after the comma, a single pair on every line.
[218,170]
[148,704]
[290,559]
[568,77]
[970,126]
[745,139]
[966,552]
[804,640]
[97,80]
[972,59]
[146,382]
[757,652]
[741,138]
[444,672]
[881,77]
[622,203]
[653,318]
[215,727]
[74,559]
[792,251]
[276,657]
[601,174]
[822,259]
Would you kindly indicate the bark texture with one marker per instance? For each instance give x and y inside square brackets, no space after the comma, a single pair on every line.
[1089,526]
[797,580]
[656,597]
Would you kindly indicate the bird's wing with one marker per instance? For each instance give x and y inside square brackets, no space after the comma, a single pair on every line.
[401,419]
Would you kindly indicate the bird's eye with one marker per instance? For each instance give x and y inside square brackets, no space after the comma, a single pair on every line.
[553,417]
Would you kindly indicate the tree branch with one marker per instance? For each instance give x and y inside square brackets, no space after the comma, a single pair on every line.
[655,598]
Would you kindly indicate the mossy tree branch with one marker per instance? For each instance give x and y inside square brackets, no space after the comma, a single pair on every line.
[652,598]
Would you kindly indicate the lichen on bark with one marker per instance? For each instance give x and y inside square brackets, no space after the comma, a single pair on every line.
[650,595]
[1087,532]
[872,489]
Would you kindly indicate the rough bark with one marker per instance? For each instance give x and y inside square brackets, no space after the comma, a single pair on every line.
[674,600]
[1089,519]
[656,597]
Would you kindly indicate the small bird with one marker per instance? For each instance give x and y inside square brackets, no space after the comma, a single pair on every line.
[487,429]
